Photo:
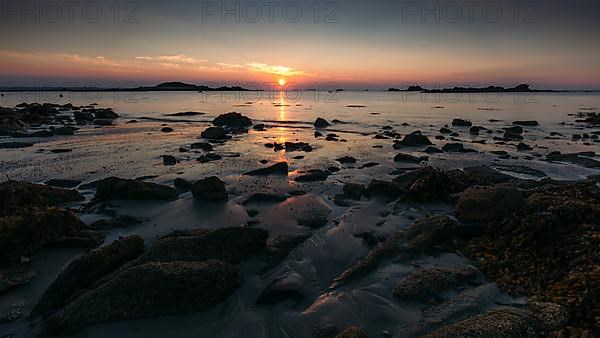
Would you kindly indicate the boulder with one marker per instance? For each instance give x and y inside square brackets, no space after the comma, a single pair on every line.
[169,160]
[182,184]
[228,244]
[105,114]
[321,123]
[401,157]
[233,119]
[118,188]
[414,139]
[313,176]
[526,123]
[461,123]
[346,160]
[16,195]
[210,189]
[514,129]
[494,323]
[203,146]
[215,133]
[432,150]
[389,190]
[14,276]
[486,204]
[15,145]
[426,284]
[149,290]
[260,197]
[354,190]
[167,130]
[280,168]
[209,157]
[86,270]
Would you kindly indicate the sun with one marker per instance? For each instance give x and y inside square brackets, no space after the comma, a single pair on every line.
[281,82]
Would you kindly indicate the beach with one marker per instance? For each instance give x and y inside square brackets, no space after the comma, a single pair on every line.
[319,212]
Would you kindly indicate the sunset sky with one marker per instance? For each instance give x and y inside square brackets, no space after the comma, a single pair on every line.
[374,44]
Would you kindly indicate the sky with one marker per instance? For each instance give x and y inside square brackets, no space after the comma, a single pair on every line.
[309,44]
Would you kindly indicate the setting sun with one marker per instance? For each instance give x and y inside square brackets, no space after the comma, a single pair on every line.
[282,82]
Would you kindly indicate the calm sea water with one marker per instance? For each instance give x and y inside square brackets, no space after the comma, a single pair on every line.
[379,108]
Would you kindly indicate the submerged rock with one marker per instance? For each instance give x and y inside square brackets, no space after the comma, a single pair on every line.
[86,270]
[149,290]
[280,168]
[118,188]
[122,221]
[484,204]
[425,284]
[281,289]
[210,189]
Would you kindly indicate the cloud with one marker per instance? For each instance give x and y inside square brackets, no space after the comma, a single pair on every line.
[273,69]
[172,59]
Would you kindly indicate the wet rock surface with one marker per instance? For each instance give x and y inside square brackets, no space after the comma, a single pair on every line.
[117,188]
[425,284]
[210,189]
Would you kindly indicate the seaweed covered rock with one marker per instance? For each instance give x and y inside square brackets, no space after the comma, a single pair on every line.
[485,204]
[118,188]
[425,284]
[29,229]
[84,271]
[149,290]
[229,244]
[495,323]
[16,195]
[549,250]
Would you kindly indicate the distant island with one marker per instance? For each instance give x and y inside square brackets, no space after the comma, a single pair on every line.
[522,88]
[166,86]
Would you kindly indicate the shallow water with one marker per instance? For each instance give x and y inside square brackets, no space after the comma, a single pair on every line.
[134,150]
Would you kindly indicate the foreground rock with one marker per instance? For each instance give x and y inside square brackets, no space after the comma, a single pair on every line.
[424,235]
[353,332]
[14,276]
[210,189]
[229,244]
[414,139]
[485,204]
[15,195]
[490,324]
[549,250]
[84,271]
[215,133]
[284,288]
[425,284]
[149,290]
[118,188]
[321,123]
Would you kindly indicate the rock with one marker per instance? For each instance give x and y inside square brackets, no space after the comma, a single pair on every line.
[203,146]
[14,276]
[169,160]
[149,290]
[313,176]
[63,131]
[313,222]
[474,130]
[346,160]
[62,183]
[167,130]
[118,188]
[83,116]
[342,200]
[279,248]
[354,190]
[526,123]
[210,189]
[280,168]
[461,123]
[228,244]
[321,123]
[385,189]
[414,139]
[15,145]
[209,157]
[409,158]
[425,284]
[514,130]
[575,159]
[445,130]
[119,222]
[550,316]
[523,147]
[86,270]
[513,137]
[432,150]
[494,323]
[187,113]
[215,133]
[233,119]
[105,114]
[467,301]
[10,312]
[259,127]
[26,229]
[182,185]
[485,204]
[281,289]
[455,148]
[42,133]
[264,198]
[353,332]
